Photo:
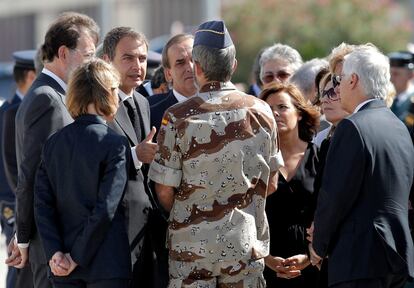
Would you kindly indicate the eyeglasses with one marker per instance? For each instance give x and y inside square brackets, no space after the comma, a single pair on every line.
[270,76]
[330,93]
[336,80]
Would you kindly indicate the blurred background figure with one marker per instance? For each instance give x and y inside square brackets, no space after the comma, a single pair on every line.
[304,78]
[297,122]
[256,83]
[401,68]
[278,63]
[24,75]
[158,83]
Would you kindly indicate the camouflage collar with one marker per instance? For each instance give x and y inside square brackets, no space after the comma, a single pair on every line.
[216,86]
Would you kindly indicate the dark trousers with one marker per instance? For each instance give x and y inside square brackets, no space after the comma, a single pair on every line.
[391,281]
[40,275]
[108,283]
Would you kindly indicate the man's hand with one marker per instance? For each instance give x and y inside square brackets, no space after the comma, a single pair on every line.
[146,149]
[59,265]
[24,254]
[309,231]
[315,259]
[73,264]
[62,264]
[14,253]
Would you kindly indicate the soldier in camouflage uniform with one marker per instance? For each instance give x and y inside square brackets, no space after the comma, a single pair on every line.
[217,159]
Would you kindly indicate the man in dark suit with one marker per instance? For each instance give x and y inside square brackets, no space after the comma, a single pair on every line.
[361,220]
[69,41]
[24,75]
[178,69]
[127,51]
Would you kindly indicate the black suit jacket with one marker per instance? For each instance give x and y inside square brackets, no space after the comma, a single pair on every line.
[361,217]
[8,143]
[77,206]
[41,113]
[6,190]
[137,198]
[158,104]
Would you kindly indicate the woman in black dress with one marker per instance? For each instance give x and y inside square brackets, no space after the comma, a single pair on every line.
[290,208]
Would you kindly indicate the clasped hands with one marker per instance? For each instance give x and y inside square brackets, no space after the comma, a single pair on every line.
[62,264]
[287,268]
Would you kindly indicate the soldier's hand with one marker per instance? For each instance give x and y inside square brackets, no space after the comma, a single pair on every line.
[146,149]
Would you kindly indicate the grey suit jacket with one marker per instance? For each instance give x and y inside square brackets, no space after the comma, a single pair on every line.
[41,113]
[137,197]
[361,220]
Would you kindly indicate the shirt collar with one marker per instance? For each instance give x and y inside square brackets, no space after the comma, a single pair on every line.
[56,78]
[180,97]
[19,94]
[363,103]
[123,95]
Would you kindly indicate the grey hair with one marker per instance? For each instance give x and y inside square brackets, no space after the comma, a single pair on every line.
[372,68]
[281,51]
[217,64]
[304,77]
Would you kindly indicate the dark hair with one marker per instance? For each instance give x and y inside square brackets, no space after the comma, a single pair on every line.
[20,74]
[309,123]
[66,31]
[158,78]
[318,78]
[174,40]
[113,37]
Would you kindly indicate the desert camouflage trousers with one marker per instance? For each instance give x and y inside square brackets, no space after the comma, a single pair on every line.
[241,274]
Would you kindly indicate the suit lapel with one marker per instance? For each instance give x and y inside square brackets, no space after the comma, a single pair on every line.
[122,118]
[143,111]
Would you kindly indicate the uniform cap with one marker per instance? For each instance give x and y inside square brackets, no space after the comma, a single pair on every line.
[213,34]
[24,59]
[401,59]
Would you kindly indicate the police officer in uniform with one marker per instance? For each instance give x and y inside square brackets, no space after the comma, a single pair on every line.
[401,68]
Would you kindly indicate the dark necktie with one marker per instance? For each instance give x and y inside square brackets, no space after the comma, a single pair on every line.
[133,116]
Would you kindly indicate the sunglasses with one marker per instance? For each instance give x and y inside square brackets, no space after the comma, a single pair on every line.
[330,93]
[270,77]
[336,80]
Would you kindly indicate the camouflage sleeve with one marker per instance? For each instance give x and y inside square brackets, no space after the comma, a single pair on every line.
[166,167]
[276,159]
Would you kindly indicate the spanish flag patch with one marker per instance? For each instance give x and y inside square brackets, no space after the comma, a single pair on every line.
[164,121]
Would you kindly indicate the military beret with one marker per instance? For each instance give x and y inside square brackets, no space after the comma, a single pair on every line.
[24,59]
[212,34]
[401,59]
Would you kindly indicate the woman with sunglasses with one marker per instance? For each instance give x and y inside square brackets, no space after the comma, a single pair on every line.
[290,208]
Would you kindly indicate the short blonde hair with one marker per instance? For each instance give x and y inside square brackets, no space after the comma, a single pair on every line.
[338,54]
[94,82]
